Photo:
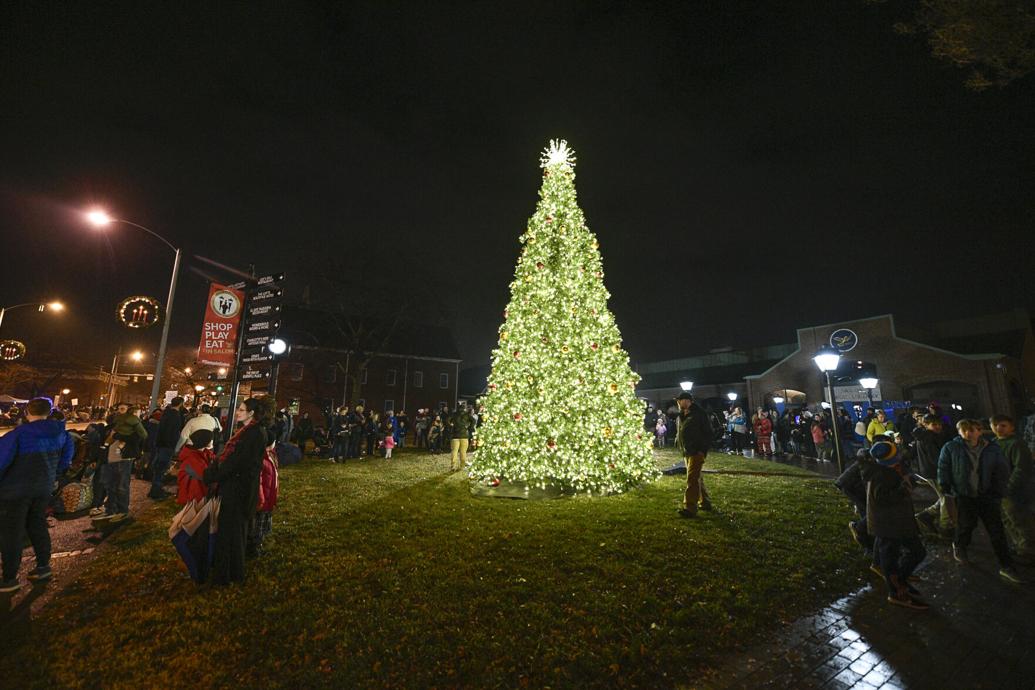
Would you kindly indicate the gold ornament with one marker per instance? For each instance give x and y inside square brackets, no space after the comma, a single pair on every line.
[613,388]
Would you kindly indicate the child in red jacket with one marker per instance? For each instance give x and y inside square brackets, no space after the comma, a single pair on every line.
[193,459]
[269,487]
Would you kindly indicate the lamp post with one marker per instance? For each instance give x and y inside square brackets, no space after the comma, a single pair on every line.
[99,219]
[40,306]
[686,386]
[869,382]
[827,359]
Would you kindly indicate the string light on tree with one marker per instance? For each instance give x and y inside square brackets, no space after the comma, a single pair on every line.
[561,408]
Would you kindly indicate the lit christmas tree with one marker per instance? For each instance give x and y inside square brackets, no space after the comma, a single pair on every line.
[561,408]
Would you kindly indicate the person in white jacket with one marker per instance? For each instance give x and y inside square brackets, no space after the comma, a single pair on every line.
[205,420]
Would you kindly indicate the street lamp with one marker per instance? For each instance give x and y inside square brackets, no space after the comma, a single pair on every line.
[732,396]
[198,388]
[65,391]
[686,385]
[777,399]
[827,359]
[137,356]
[99,218]
[40,306]
[869,382]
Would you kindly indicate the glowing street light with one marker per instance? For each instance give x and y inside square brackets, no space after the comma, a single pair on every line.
[732,396]
[686,385]
[777,400]
[99,218]
[827,359]
[221,371]
[279,347]
[40,306]
[199,388]
[137,356]
[188,371]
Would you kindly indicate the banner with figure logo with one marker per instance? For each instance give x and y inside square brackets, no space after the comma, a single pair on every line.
[222,321]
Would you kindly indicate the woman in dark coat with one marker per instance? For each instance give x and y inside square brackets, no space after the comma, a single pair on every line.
[237,473]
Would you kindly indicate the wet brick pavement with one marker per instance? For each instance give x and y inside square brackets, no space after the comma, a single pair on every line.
[978,633]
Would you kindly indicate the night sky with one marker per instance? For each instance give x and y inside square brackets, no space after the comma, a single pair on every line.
[748,167]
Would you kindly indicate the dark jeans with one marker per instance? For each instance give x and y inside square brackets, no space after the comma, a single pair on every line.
[20,515]
[737,440]
[355,444]
[898,556]
[969,509]
[98,487]
[116,483]
[341,447]
[161,459]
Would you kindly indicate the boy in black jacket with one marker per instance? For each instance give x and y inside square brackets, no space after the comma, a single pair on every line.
[889,519]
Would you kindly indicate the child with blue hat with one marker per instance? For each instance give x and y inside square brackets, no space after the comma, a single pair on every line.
[897,547]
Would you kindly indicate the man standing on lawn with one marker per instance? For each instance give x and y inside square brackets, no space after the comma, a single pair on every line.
[693,438]
[31,456]
[169,429]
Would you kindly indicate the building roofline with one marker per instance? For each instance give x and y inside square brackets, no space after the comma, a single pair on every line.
[374,354]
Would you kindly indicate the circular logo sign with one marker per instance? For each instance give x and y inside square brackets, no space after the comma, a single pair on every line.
[225,304]
[139,312]
[11,350]
[843,340]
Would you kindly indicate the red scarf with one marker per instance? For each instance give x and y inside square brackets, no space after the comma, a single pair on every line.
[229,447]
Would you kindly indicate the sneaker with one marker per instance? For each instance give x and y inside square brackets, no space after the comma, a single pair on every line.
[94,512]
[683,512]
[40,573]
[855,534]
[1011,575]
[105,516]
[960,554]
[10,585]
[909,602]
[118,517]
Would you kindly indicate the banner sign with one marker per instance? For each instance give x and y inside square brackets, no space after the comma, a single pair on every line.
[219,332]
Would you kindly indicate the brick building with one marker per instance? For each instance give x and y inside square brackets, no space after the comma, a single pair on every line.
[412,366]
[981,365]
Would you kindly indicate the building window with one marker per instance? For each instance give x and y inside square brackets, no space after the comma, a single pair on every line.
[389,405]
[443,380]
[363,380]
[330,374]
[297,371]
[390,377]
[418,379]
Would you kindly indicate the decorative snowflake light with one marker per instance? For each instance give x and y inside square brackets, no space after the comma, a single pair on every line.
[557,152]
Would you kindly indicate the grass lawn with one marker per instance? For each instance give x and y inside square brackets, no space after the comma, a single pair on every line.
[392,574]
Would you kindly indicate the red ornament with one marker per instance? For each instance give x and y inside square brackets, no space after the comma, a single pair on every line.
[549,219]
[539,265]
[492,386]
[594,347]
[639,437]
[517,354]
[517,416]
[551,444]
[599,274]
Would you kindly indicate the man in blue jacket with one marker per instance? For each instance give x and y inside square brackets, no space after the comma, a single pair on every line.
[974,471]
[31,456]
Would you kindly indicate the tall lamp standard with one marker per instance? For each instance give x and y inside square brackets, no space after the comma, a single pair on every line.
[40,306]
[827,359]
[100,219]
[686,386]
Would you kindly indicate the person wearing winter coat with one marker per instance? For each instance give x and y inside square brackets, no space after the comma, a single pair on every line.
[269,488]
[693,438]
[738,431]
[897,546]
[1018,518]
[928,439]
[32,456]
[169,428]
[878,426]
[974,471]
[194,459]
[237,472]
[763,427]
[203,420]
[125,444]
[852,485]
[461,427]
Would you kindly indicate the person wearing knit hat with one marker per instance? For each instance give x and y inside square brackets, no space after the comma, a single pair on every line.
[897,547]
[693,438]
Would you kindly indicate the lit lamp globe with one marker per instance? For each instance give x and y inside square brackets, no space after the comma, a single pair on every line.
[777,399]
[868,382]
[65,391]
[731,396]
[198,388]
[827,358]
[277,347]
[687,386]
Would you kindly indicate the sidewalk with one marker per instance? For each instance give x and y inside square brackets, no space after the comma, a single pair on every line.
[978,633]
[74,543]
